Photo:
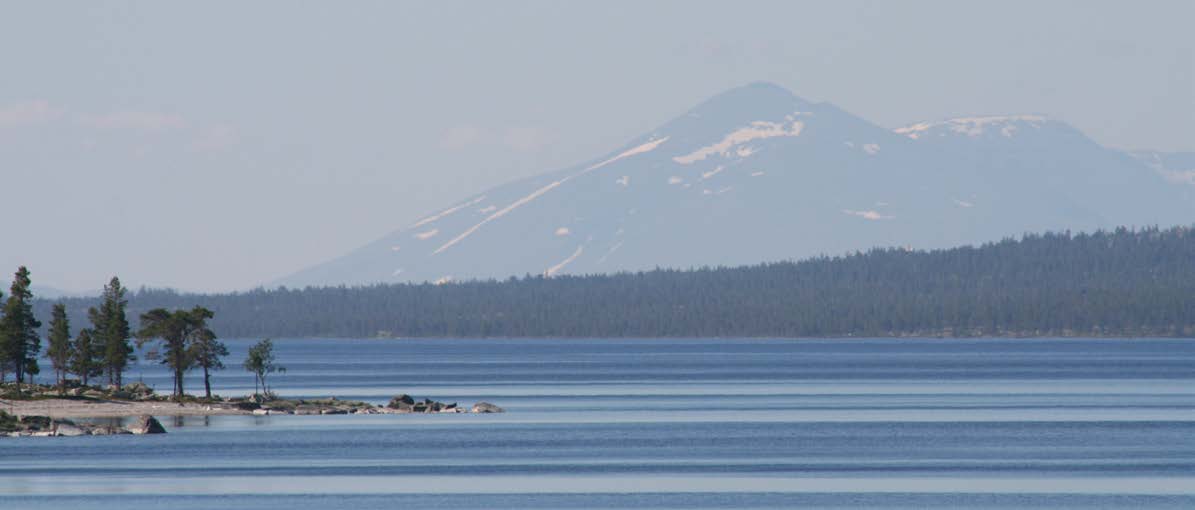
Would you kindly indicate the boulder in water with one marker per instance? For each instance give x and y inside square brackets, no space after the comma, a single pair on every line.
[486,407]
[68,429]
[146,424]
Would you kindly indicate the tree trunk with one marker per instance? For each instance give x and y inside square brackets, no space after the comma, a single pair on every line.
[207,383]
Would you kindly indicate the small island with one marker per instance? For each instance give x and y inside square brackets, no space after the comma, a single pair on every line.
[183,342]
[46,411]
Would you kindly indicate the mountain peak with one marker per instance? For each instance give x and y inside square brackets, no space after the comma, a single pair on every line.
[762,100]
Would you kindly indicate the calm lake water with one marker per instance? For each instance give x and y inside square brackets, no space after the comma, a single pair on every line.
[664,424]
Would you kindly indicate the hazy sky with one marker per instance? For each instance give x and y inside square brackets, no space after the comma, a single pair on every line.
[216,146]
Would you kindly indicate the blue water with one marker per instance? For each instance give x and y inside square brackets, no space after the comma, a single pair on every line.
[910,423]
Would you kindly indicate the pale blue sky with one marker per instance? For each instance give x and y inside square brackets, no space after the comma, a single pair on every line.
[214,146]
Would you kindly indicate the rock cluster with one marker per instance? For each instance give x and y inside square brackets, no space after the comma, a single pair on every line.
[406,404]
[41,426]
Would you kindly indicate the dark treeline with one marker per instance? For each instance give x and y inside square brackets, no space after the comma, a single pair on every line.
[1120,283]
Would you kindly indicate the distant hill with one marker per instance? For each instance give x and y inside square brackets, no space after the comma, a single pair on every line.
[1119,283]
[757,173]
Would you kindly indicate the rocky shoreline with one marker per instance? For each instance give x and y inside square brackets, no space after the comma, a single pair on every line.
[47,412]
[401,404]
[44,426]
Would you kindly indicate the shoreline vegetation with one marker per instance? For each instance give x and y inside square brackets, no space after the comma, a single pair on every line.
[183,341]
[1118,283]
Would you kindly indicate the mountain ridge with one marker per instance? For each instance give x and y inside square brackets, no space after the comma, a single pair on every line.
[758,173]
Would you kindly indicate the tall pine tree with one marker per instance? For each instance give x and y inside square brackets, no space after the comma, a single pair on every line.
[60,349]
[111,328]
[18,328]
[5,364]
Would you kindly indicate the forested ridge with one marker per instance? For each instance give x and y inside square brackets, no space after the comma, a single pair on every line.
[1116,283]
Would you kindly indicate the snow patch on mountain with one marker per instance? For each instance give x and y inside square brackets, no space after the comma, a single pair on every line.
[1172,167]
[611,251]
[647,147]
[868,215]
[500,213]
[640,149]
[962,203]
[717,170]
[1181,176]
[973,126]
[556,268]
[757,130]
[447,212]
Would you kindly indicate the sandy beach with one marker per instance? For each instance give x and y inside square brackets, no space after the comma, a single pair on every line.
[65,408]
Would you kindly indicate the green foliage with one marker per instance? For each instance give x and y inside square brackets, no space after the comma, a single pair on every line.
[110,327]
[260,362]
[187,342]
[205,349]
[19,339]
[86,359]
[60,349]
[1115,283]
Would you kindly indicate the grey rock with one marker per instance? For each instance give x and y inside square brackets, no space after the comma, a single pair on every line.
[68,429]
[403,401]
[146,424]
[486,407]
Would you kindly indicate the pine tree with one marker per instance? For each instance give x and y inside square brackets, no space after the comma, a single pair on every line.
[60,349]
[205,350]
[175,329]
[5,363]
[86,361]
[18,328]
[111,328]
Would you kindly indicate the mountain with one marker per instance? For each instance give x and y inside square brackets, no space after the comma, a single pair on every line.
[1176,167]
[46,292]
[757,174]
